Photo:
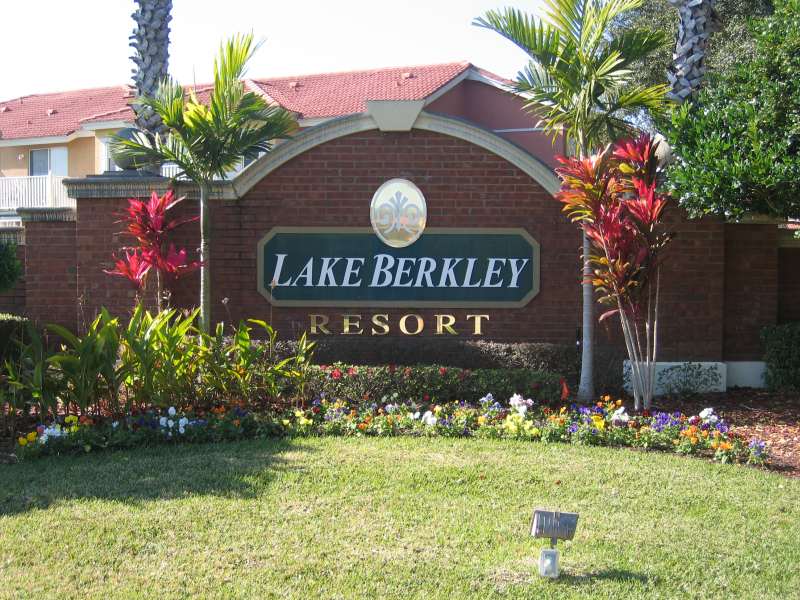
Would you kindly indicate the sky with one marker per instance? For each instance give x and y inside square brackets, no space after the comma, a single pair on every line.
[55,45]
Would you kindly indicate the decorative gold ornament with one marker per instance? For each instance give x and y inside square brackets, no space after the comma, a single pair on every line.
[398,213]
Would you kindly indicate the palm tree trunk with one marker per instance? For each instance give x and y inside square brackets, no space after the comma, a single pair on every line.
[698,20]
[150,41]
[205,258]
[586,386]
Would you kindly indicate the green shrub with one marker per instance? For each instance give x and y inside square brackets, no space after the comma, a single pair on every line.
[155,360]
[10,267]
[782,355]
[430,383]
[467,354]
[10,328]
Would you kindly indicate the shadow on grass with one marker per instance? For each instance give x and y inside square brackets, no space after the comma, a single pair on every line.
[228,469]
[620,575]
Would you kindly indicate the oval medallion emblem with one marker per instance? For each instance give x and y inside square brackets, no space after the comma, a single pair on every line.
[398,213]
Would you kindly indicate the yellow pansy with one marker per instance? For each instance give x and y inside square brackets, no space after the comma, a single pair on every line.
[22,441]
[32,436]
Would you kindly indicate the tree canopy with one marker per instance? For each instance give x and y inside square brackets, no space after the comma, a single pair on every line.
[737,149]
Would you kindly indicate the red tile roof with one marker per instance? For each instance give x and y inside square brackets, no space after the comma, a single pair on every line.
[335,94]
[323,95]
[59,114]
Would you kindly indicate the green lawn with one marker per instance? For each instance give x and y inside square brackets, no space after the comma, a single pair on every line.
[421,518]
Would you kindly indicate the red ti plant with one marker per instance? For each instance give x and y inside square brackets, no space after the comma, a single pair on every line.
[149,222]
[613,197]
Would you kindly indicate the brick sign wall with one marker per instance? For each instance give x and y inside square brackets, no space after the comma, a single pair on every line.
[466,186]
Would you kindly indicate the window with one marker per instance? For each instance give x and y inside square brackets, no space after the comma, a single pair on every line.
[106,162]
[40,162]
[49,161]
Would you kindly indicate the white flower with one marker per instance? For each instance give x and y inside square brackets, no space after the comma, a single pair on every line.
[429,419]
[390,408]
[181,429]
[52,431]
[171,411]
[707,414]
[183,422]
[163,421]
[520,404]
[171,423]
[115,424]
[487,399]
[620,415]
[415,416]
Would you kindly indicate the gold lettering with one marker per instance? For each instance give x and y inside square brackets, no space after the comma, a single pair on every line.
[349,321]
[404,329]
[382,321]
[318,324]
[445,323]
[478,320]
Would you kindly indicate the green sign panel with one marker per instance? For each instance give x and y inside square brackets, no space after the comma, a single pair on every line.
[443,268]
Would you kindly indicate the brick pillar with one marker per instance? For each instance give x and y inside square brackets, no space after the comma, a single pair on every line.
[789,284]
[50,273]
[751,288]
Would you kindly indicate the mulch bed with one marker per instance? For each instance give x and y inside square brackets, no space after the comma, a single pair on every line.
[769,416]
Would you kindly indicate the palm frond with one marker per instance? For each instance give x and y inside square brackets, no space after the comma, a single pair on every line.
[577,79]
[207,140]
[531,35]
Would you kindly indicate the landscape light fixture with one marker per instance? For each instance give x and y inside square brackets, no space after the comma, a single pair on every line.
[554,525]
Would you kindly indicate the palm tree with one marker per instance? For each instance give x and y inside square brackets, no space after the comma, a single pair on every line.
[578,83]
[206,140]
[150,40]
[698,20]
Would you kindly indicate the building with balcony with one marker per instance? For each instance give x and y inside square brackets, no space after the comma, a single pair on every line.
[45,138]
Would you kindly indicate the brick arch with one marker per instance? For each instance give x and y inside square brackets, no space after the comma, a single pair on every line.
[350,125]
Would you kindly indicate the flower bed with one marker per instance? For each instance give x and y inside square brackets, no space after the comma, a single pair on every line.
[606,423]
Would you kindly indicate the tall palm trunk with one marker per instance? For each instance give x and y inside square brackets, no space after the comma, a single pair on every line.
[205,257]
[586,385]
[150,40]
[698,20]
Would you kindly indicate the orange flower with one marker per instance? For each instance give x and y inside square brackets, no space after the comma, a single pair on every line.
[725,446]
[362,426]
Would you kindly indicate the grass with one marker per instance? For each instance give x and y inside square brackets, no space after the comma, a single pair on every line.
[410,518]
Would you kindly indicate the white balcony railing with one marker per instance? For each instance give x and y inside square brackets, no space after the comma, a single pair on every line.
[32,192]
[172,170]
